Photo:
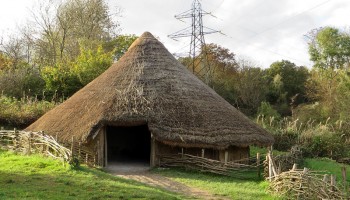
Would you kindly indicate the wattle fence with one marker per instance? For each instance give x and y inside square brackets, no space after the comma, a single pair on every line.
[238,169]
[38,142]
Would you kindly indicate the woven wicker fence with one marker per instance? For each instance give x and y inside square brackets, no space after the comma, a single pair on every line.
[38,142]
[237,168]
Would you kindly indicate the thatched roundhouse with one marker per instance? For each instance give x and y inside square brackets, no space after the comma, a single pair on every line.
[148,104]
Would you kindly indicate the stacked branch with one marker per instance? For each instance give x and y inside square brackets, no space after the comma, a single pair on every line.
[305,184]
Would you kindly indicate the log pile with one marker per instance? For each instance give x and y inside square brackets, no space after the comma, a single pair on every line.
[208,165]
[305,184]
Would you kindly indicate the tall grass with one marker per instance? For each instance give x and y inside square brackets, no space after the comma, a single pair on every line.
[317,139]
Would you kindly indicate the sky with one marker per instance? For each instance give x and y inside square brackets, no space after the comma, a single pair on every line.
[261,31]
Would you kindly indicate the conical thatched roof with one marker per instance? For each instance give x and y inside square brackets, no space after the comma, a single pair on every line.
[148,85]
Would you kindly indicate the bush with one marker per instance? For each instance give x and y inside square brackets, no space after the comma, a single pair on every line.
[266,110]
[23,80]
[315,139]
[321,141]
[23,112]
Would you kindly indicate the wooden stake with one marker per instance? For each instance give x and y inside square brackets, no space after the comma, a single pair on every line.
[98,153]
[333,181]
[343,173]
[258,163]
[29,143]
[203,151]
[305,170]
[226,157]
[72,146]
[295,167]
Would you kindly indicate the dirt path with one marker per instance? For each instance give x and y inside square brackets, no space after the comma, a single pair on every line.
[141,174]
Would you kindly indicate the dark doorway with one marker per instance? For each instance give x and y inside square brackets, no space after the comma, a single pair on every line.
[128,144]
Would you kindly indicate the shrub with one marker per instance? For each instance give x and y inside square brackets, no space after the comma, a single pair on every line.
[21,113]
[266,110]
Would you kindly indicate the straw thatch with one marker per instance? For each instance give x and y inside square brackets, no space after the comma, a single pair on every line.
[149,86]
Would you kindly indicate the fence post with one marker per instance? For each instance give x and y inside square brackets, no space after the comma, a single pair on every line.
[226,157]
[258,163]
[44,146]
[295,167]
[182,152]
[79,151]
[325,181]
[15,141]
[29,143]
[72,147]
[343,173]
[270,162]
[333,182]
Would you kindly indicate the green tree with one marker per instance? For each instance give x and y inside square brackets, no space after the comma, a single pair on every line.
[65,26]
[251,88]
[120,45]
[286,85]
[329,48]
[65,79]
[91,63]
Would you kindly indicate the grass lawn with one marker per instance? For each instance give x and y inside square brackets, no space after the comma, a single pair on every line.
[220,185]
[36,177]
[328,165]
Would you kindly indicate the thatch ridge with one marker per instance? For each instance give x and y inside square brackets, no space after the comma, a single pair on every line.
[148,85]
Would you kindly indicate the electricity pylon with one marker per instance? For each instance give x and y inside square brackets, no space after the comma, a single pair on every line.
[199,60]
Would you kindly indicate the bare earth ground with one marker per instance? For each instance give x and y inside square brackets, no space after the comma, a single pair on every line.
[140,172]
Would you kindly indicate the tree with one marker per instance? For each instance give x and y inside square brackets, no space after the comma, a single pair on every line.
[119,45]
[65,79]
[65,26]
[251,88]
[329,48]
[286,85]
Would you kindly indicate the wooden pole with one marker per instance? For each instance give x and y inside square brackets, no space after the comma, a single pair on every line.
[86,158]
[343,173]
[79,150]
[295,167]
[106,150]
[226,157]
[203,151]
[43,146]
[258,163]
[325,181]
[333,181]
[305,170]
[270,167]
[98,152]
[72,146]
[29,143]
[15,144]
[279,169]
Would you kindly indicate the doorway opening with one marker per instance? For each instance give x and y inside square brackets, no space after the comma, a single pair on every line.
[128,144]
